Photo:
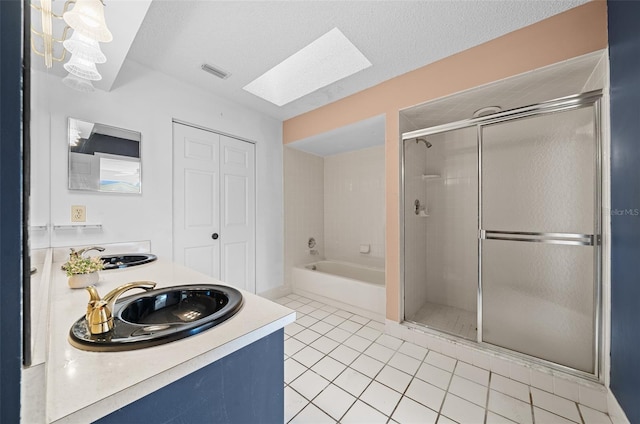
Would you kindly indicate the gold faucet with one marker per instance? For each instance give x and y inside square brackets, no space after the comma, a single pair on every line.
[99,314]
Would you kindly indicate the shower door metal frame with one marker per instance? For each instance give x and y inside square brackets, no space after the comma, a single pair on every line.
[588,99]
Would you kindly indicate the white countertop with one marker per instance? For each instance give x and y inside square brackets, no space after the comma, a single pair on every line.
[84,386]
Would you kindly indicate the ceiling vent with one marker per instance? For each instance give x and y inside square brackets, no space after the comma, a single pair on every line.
[216,71]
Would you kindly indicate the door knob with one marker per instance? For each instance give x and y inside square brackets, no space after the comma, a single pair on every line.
[215,236]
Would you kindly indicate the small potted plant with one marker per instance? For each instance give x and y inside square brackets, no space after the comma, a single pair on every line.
[82,272]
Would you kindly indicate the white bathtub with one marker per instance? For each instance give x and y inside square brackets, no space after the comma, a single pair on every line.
[343,284]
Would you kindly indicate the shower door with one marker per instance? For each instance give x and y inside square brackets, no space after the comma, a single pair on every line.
[540,226]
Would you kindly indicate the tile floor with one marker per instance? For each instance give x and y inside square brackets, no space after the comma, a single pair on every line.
[447,318]
[341,367]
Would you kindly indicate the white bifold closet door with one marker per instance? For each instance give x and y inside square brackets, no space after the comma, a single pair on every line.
[539,235]
[214,205]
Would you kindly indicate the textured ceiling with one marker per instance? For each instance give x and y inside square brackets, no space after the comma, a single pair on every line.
[247,38]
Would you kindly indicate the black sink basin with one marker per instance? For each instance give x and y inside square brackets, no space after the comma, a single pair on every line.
[124,261]
[160,316]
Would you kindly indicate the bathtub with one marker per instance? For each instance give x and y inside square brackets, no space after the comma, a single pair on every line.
[343,285]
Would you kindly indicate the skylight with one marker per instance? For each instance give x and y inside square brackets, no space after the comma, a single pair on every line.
[328,59]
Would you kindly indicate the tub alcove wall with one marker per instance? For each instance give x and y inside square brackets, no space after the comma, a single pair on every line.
[334,193]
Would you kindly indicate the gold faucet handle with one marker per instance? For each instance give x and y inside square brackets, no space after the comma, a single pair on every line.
[99,314]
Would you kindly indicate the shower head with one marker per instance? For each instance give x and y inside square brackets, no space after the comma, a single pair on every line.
[424,140]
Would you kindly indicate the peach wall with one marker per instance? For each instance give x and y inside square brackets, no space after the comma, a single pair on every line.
[569,34]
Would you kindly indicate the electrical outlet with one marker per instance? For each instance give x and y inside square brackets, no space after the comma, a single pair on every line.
[78,213]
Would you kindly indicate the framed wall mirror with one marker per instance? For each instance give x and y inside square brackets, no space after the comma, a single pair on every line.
[104,158]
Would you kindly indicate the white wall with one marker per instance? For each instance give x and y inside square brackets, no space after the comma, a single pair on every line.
[354,208]
[147,101]
[304,208]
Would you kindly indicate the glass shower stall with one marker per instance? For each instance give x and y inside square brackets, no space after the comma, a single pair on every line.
[502,231]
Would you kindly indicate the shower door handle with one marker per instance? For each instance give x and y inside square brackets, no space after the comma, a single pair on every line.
[570,239]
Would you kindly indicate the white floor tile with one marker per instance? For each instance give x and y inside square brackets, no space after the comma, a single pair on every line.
[334,401]
[520,373]
[309,384]
[376,325]
[317,304]
[379,352]
[306,321]
[294,304]
[468,390]
[305,309]
[307,336]
[461,410]
[293,403]
[308,356]
[293,329]
[473,373]
[343,314]
[411,412]
[404,363]
[413,350]
[319,314]
[444,420]
[542,380]
[292,370]
[591,416]
[434,375]
[500,366]
[329,368]
[338,334]
[344,354]
[381,397]
[566,389]
[556,404]
[510,387]
[350,326]
[321,327]
[366,365]
[333,319]
[359,319]
[369,333]
[595,398]
[361,413]
[293,296]
[352,381]
[312,415]
[389,341]
[357,343]
[509,407]
[426,394]
[493,418]
[304,300]
[441,361]
[329,308]
[547,417]
[292,346]
[325,344]
[396,379]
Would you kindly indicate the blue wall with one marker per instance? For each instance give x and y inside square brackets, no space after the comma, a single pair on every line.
[10,208]
[624,54]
